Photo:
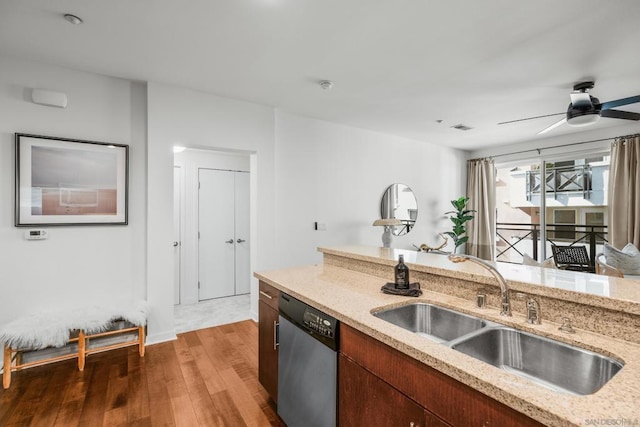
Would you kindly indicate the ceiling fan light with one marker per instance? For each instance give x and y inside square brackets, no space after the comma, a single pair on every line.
[583,119]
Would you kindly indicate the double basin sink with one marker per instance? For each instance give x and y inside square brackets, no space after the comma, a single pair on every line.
[556,365]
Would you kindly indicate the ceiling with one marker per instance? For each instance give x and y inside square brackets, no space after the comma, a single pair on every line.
[397,67]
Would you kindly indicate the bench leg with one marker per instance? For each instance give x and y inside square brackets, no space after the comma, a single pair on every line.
[141,340]
[82,342]
[6,372]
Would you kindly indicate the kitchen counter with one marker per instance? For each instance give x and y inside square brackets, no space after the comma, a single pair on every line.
[351,296]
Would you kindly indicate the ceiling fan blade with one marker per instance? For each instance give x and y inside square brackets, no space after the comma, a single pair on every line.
[579,99]
[617,114]
[553,126]
[619,102]
[530,118]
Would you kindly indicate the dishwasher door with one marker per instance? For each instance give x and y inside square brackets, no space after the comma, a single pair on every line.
[307,372]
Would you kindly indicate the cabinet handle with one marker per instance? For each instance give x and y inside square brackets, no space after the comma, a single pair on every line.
[230,241]
[276,330]
[240,241]
[266,294]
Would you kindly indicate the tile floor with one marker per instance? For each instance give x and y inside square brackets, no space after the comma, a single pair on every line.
[214,312]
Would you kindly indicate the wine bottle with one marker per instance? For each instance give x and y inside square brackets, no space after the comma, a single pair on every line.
[401,274]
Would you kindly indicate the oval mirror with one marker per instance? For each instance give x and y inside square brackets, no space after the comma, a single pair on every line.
[399,202]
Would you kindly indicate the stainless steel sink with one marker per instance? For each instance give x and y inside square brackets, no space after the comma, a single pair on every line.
[436,323]
[556,365]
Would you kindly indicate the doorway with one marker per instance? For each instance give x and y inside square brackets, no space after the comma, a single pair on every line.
[551,202]
[197,311]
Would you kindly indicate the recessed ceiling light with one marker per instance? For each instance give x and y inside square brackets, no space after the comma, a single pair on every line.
[326,84]
[73,19]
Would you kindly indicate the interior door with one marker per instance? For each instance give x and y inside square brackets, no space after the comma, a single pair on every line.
[177,221]
[242,268]
[216,255]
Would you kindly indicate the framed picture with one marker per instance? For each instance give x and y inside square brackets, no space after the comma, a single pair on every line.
[70,182]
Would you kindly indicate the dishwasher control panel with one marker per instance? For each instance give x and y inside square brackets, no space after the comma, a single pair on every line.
[319,325]
[315,321]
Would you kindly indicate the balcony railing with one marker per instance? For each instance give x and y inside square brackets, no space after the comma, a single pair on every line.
[571,179]
[516,239]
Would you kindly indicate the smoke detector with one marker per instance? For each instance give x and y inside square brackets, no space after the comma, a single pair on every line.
[326,84]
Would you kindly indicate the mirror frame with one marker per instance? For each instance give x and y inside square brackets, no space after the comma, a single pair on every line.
[389,210]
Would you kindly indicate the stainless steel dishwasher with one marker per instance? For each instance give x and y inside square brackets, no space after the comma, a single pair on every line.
[307,365]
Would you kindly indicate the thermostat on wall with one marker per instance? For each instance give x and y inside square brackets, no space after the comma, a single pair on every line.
[35,234]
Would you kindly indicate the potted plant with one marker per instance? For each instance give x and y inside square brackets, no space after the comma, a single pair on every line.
[459,217]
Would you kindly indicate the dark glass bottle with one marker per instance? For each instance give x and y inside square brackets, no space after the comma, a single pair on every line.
[401,274]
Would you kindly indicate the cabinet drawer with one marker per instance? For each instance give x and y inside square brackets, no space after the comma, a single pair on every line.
[268,294]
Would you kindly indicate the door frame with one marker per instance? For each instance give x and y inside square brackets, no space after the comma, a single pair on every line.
[192,159]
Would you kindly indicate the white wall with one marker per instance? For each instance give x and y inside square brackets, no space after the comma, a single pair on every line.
[82,264]
[322,172]
[195,119]
[190,161]
[337,174]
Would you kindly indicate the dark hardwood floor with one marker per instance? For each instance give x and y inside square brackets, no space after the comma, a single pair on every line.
[207,377]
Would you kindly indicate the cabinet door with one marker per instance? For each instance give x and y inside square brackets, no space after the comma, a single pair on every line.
[431,420]
[366,400]
[267,349]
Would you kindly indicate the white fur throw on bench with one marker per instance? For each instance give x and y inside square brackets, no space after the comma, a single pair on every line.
[52,329]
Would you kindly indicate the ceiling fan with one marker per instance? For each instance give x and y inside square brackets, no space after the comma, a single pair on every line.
[585,109]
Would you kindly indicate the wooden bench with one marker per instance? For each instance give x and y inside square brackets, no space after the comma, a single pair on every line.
[13,360]
[76,332]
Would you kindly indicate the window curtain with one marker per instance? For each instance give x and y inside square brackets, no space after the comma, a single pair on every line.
[481,190]
[624,192]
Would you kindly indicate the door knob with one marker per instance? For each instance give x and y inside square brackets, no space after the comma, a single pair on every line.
[229,241]
[240,241]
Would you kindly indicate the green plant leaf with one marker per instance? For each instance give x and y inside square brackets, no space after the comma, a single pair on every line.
[462,241]
[458,230]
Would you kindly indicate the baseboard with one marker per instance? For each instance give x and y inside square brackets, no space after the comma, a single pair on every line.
[160,338]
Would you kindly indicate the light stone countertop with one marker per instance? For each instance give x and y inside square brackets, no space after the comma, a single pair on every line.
[351,296]
[592,289]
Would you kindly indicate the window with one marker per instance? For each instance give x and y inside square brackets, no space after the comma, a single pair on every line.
[558,231]
[575,206]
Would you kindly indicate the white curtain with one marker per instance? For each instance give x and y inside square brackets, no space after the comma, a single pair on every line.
[624,192]
[481,190]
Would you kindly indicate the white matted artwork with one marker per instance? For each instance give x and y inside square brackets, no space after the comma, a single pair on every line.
[70,182]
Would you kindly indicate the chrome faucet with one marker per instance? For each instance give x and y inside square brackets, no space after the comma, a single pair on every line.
[505,305]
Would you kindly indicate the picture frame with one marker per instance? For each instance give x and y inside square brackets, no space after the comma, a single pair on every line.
[63,182]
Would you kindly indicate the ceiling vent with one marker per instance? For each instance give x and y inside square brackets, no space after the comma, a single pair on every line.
[461,127]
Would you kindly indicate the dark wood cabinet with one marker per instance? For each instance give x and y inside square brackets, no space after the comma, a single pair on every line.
[366,400]
[444,398]
[267,339]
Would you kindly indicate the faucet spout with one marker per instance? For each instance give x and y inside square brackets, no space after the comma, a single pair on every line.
[505,304]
